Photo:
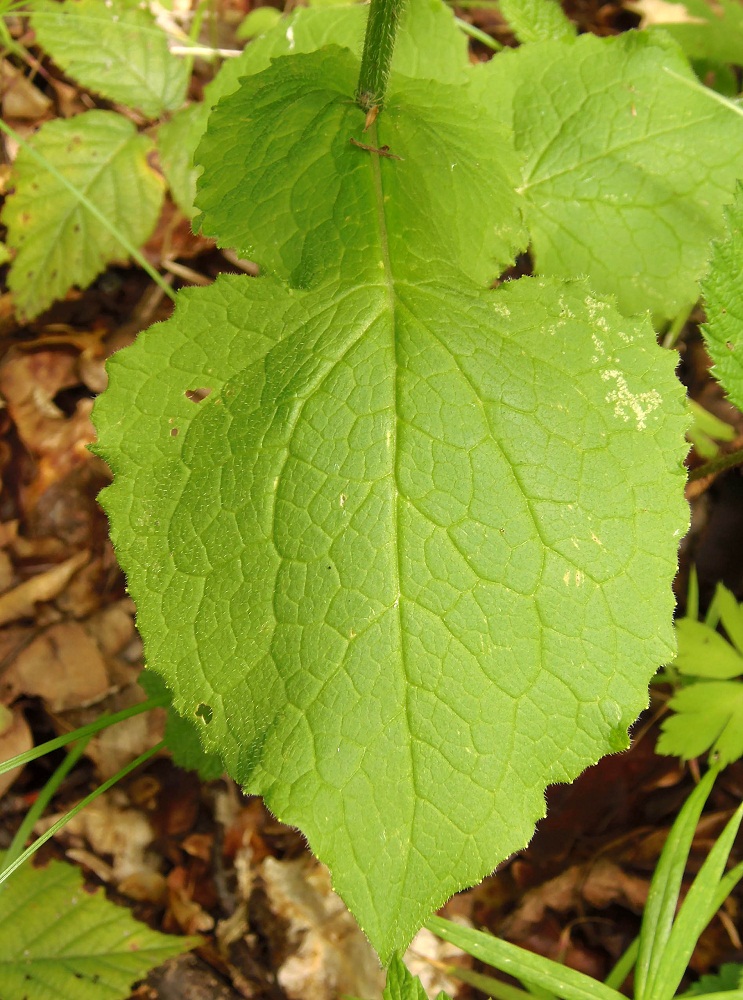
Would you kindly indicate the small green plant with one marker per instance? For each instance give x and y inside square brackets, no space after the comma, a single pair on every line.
[401,543]
[668,935]
[707,671]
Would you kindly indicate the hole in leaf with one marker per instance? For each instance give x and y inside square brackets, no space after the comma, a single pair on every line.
[204,712]
[196,395]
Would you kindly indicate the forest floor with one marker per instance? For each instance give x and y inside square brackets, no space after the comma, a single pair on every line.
[194,857]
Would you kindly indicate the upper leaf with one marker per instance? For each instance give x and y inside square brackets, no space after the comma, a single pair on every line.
[429,47]
[723,300]
[59,242]
[114,49]
[628,163]
[60,942]
[296,117]
[704,29]
[409,561]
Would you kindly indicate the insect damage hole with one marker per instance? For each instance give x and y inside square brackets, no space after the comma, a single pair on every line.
[197,395]
[205,713]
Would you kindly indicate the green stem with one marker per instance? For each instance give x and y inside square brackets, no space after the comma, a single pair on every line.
[379,43]
[82,732]
[716,465]
[45,796]
[53,830]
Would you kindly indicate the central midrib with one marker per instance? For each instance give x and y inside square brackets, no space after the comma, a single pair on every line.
[389,283]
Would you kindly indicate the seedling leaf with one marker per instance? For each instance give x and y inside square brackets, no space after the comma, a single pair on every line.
[723,299]
[402,565]
[115,49]
[58,941]
[59,242]
[704,653]
[626,170]
[403,985]
[707,716]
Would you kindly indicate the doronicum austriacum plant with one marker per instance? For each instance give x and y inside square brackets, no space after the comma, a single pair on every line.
[401,532]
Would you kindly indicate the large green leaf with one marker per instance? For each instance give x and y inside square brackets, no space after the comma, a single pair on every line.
[115,49]
[723,300]
[409,561]
[58,241]
[628,163]
[58,941]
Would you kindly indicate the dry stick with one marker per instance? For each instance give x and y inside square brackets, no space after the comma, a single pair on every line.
[96,212]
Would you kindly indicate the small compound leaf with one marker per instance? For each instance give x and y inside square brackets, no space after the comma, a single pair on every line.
[58,242]
[115,49]
[628,163]
[409,561]
[702,652]
[706,716]
[58,941]
[723,300]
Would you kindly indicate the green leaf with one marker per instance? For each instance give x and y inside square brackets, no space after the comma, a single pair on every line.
[665,886]
[723,298]
[59,242]
[403,985]
[537,20]
[429,46]
[728,977]
[731,615]
[626,170]
[409,561]
[58,941]
[114,49]
[702,652]
[181,735]
[696,911]
[712,31]
[258,22]
[544,973]
[707,716]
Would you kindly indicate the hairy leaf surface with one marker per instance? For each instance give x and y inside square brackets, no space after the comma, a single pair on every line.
[401,546]
[58,242]
[60,942]
[115,49]
[628,163]
[723,300]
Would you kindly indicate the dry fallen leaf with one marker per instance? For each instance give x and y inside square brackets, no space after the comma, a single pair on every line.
[21,600]
[15,738]
[661,12]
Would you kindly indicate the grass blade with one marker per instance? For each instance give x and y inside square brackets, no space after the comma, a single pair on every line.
[522,964]
[660,908]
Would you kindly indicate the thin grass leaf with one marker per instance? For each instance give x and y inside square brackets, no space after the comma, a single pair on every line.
[515,961]
[695,913]
[660,908]
[623,966]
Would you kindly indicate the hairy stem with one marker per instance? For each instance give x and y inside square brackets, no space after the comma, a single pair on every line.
[379,43]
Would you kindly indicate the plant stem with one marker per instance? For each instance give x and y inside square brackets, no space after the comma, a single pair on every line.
[82,732]
[379,43]
[45,796]
[716,465]
[53,830]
